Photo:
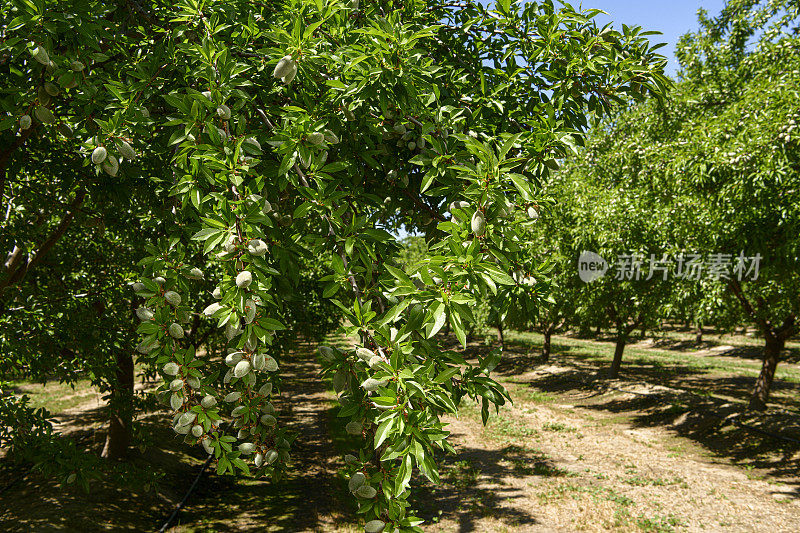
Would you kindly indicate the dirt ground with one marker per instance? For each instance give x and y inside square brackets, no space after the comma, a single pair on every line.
[573,453]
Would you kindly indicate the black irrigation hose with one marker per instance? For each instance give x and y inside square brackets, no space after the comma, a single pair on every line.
[188,493]
[734,420]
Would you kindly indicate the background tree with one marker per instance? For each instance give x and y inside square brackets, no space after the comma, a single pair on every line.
[723,154]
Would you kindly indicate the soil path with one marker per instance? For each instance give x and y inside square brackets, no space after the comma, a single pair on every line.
[560,459]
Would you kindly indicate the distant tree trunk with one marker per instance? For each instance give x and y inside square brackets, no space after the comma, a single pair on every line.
[501,336]
[772,352]
[774,341]
[698,338]
[447,328]
[597,331]
[622,339]
[643,331]
[120,409]
[548,333]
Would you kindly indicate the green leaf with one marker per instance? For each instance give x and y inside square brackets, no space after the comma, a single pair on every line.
[383,431]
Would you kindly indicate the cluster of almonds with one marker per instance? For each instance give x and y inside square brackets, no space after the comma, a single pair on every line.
[286,69]
[406,135]
[243,365]
[319,140]
[49,90]
[478,219]
[109,162]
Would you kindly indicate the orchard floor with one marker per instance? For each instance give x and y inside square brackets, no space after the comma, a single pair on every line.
[656,450]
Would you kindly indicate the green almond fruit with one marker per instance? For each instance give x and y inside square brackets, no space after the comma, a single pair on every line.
[111,165]
[478,223]
[77,66]
[357,480]
[326,353]
[207,446]
[40,55]
[249,311]
[365,491]
[271,456]
[208,402]
[176,384]
[197,430]
[283,67]
[171,369]
[144,314]
[365,353]
[238,411]
[316,138]
[241,369]
[51,88]
[331,137]
[194,273]
[340,380]
[224,112]
[175,401]
[175,330]
[233,358]
[217,293]
[126,150]
[43,96]
[265,390]
[257,247]
[271,365]
[187,418]
[233,397]
[268,420]
[247,448]
[289,77]
[212,309]
[44,115]
[244,279]
[172,298]
[353,428]
[25,122]
[159,280]
[99,155]
[351,460]
[374,526]
[138,287]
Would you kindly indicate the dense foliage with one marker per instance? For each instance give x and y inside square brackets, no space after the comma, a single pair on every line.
[309,130]
[716,165]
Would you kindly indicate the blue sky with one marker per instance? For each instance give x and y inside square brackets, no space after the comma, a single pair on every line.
[673,18]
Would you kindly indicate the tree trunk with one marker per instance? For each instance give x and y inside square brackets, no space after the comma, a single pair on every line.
[501,337]
[698,338]
[120,409]
[597,331]
[548,333]
[772,352]
[613,372]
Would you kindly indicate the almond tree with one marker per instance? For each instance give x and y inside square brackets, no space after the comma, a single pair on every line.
[721,155]
[310,129]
